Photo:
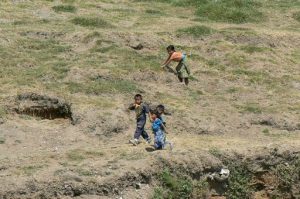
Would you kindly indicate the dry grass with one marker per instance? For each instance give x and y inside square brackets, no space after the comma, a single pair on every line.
[81,51]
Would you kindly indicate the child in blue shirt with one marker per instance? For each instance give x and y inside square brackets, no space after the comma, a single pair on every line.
[161,111]
[158,129]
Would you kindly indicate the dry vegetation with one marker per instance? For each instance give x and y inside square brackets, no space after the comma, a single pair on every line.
[244,94]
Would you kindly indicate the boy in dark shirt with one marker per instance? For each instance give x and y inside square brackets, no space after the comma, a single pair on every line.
[141,111]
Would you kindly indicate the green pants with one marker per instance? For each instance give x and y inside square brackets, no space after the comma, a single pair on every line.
[182,70]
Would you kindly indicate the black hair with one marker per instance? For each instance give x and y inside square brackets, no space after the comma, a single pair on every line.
[171,48]
[155,112]
[138,96]
[160,107]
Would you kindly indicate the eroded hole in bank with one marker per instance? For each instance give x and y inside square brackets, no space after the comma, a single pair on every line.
[42,106]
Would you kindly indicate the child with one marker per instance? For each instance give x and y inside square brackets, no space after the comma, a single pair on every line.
[161,111]
[141,110]
[182,69]
[158,129]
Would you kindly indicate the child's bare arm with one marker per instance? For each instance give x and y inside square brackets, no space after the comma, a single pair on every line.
[164,127]
[131,106]
[150,119]
[167,61]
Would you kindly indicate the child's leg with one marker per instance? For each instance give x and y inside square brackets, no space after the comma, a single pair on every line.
[180,79]
[158,146]
[146,136]
[139,129]
[159,140]
[186,81]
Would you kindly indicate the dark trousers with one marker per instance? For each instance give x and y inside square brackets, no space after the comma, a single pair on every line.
[140,129]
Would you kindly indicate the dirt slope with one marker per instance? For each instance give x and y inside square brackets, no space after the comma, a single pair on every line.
[243,99]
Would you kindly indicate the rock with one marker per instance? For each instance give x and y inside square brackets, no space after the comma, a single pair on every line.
[137,47]
[138,185]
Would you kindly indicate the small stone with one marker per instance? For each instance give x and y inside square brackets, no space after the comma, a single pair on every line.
[138,185]
[138,47]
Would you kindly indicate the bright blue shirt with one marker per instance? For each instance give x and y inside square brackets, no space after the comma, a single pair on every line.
[156,125]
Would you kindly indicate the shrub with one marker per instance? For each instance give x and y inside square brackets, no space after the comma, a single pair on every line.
[250,108]
[252,49]
[196,31]
[2,140]
[64,8]
[176,187]
[91,22]
[239,182]
[287,175]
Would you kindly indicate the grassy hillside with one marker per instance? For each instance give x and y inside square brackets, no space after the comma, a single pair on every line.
[244,92]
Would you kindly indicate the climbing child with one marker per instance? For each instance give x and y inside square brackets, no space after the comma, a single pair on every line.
[161,115]
[161,111]
[141,111]
[182,69]
[158,129]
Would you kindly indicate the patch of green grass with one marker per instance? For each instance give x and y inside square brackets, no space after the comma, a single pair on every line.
[154,12]
[158,193]
[296,56]
[30,170]
[196,31]
[232,90]
[215,152]
[91,22]
[85,172]
[236,59]
[3,112]
[283,4]
[253,76]
[64,8]
[102,86]
[266,132]
[216,64]
[130,60]
[231,11]
[76,155]
[296,16]
[250,108]
[2,140]
[252,49]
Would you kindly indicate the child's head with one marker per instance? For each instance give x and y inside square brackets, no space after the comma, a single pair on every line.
[160,109]
[154,114]
[170,49]
[138,99]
